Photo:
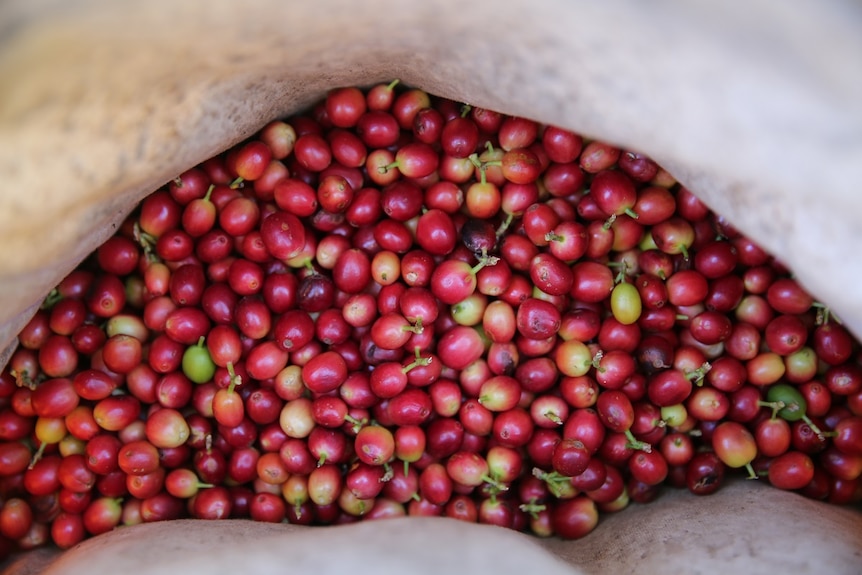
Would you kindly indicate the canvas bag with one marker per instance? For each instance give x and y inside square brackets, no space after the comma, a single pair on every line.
[755,107]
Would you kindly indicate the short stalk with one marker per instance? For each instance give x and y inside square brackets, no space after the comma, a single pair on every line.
[533,508]
[751,473]
[822,435]
[684,250]
[51,299]
[418,362]
[553,417]
[596,361]
[385,169]
[825,314]
[504,225]
[416,328]
[553,480]
[775,406]
[23,379]
[356,424]
[633,443]
[697,376]
[496,486]
[621,275]
[388,474]
[38,455]
[485,260]
[235,379]
[145,240]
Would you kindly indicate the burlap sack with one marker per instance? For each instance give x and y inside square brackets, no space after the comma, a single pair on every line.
[756,106]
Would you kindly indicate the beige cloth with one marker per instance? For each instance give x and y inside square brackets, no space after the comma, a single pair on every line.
[744,529]
[756,106]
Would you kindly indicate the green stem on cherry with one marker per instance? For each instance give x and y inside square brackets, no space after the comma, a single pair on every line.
[775,406]
[596,361]
[237,183]
[418,362]
[553,480]
[696,376]
[465,110]
[23,379]
[684,250]
[416,328]
[356,424]
[504,225]
[37,456]
[388,474]
[533,508]
[496,486]
[751,473]
[553,417]
[482,166]
[634,443]
[485,260]
[822,435]
[51,299]
[146,241]
[235,379]
[621,275]
[825,314]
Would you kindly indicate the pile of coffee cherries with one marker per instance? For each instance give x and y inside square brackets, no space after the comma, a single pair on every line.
[397,304]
